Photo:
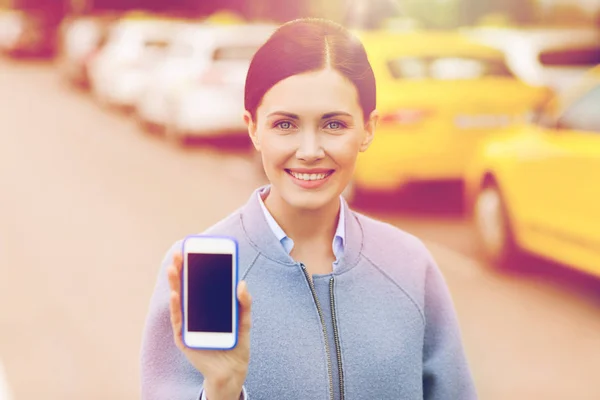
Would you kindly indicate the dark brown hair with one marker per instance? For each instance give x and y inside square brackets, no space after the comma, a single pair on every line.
[307,45]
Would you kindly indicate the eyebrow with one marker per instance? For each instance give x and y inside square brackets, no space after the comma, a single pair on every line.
[325,116]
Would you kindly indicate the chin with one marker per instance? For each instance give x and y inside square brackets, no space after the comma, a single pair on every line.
[309,200]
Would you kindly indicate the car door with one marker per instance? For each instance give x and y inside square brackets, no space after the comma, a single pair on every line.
[578,170]
[560,176]
[557,179]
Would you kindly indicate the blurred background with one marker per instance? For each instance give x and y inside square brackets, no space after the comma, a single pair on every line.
[121,132]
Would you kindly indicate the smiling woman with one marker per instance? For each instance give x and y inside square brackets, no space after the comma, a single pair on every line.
[346,307]
[315,107]
[310,140]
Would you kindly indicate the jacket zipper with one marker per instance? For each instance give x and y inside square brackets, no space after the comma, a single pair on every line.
[324,329]
[336,338]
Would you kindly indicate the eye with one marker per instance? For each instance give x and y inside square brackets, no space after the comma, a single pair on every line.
[284,125]
[335,125]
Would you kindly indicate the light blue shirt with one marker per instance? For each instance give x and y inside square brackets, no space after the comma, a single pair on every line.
[288,243]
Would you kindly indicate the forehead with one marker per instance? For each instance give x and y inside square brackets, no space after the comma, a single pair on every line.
[312,93]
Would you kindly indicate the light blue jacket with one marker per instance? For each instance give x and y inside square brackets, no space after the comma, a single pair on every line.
[381,326]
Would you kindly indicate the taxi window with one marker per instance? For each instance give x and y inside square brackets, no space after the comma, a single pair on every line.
[572,57]
[156,44]
[583,114]
[447,68]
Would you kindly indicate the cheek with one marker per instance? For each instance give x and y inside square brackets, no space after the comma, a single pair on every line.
[276,150]
[343,150]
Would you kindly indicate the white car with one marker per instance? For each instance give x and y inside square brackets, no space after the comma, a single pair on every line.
[11,26]
[120,71]
[79,39]
[556,58]
[184,61]
[209,98]
[28,31]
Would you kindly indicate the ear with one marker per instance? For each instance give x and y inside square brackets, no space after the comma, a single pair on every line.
[251,125]
[370,126]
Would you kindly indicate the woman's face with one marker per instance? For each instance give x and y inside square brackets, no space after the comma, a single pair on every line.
[309,129]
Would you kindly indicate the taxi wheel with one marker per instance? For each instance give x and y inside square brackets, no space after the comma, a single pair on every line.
[148,126]
[174,135]
[494,227]
[100,97]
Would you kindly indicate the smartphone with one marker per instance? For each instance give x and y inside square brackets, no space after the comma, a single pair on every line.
[209,287]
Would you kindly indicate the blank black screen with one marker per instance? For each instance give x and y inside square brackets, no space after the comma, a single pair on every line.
[210,292]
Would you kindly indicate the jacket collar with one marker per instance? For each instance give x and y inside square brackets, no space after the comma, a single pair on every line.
[261,236]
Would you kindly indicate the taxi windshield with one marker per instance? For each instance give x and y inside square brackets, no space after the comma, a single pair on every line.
[457,67]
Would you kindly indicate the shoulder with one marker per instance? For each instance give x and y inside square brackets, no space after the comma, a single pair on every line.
[384,243]
[398,255]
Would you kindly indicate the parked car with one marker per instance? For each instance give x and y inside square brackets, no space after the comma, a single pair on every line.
[119,72]
[10,27]
[28,32]
[208,97]
[536,189]
[556,58]
[79,39]
[439,94]
[184,61]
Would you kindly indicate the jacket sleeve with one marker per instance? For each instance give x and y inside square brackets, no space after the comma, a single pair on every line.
[243,396]
[446,373]
[165,372]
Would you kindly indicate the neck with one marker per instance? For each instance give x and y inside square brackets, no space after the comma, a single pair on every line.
[302,225]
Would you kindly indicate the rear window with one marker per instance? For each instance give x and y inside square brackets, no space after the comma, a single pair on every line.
[156,44]
[583,114]
[447,68]
[234,53]
[572,57]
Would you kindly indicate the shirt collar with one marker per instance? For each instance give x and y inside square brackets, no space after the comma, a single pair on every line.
[288,243]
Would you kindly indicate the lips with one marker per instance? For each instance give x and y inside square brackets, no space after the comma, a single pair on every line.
[309,178]
[310,175]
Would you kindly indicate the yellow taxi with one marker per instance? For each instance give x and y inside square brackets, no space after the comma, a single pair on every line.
[438,94]
[225,17]
[536,189]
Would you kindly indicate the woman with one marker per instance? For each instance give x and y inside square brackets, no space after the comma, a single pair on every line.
[345,307]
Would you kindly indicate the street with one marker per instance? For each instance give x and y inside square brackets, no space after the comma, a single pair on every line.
[89,204]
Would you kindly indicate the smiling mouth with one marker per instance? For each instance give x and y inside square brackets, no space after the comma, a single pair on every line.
[309,177]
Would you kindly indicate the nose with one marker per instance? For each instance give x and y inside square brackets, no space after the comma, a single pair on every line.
[309,148]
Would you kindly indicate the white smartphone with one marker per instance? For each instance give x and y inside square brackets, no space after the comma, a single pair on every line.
[209,286]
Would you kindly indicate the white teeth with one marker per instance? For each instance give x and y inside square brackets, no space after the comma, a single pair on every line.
[309,177]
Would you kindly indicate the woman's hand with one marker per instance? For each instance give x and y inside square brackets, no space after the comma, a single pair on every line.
[224,371]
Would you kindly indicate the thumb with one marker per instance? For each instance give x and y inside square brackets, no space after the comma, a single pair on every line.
[245,301]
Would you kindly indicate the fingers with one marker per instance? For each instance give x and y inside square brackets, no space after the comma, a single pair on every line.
[178,261]
[243,295]
[174,273]
[245,301]
[174,276]
[176,318]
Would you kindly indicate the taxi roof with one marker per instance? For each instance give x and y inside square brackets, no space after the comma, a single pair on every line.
[389,43]
[595,71]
